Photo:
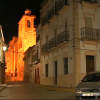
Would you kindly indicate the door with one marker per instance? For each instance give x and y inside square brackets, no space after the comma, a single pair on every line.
[35,75]
[90,64]
[55,72]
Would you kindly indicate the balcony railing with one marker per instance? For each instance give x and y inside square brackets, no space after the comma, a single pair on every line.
[52,43]
[92,1]
[45,47]
[62,37]
[52,12]
[90,34]
[45,19]
[61,3]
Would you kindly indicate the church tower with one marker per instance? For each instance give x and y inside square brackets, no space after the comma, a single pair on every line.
[26,37]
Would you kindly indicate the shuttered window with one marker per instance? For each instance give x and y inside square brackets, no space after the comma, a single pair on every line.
[88,22]
[46,70]
[65,65]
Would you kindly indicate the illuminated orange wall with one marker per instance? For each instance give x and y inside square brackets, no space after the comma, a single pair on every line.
[26,39]
[10,55]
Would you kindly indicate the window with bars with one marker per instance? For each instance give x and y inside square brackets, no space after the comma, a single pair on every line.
[46,70]
[65,65]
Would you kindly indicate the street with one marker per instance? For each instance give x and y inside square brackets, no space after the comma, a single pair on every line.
[26,90]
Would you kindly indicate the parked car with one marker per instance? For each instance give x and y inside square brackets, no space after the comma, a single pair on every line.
[89,87]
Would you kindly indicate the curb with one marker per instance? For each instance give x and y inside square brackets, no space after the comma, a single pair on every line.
[3,88]
[55,88]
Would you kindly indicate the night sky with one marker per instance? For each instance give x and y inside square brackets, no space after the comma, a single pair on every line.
[11,12]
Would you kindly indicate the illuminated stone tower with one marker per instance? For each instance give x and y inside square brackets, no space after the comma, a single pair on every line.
[26,38]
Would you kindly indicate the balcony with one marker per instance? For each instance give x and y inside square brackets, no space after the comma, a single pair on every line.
[93,4]
[52,14]
[62,37]
[45,20]
[90,34]
[91,1]
[52,43]
[62,6]
[45,47]
[35,58]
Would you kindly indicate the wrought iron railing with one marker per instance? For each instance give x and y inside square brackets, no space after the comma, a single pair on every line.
[52,43]
[93,1]
[90,34]
[64,36]
[45,19]
[45,47]
[52,12]
[61,3]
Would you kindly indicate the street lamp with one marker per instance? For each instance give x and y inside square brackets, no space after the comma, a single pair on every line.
[4,48]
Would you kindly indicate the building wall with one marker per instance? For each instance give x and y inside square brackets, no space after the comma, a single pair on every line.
[27,38]
[60,52]
[11,57]
[75,49]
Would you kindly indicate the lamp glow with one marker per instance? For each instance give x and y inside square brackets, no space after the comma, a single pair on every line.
[4,48]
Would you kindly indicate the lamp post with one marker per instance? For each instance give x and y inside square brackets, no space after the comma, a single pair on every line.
[3,63]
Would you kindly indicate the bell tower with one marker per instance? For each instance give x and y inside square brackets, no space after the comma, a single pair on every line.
[26,37]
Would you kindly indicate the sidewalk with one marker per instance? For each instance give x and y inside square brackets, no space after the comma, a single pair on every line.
[2,86]
[55,87]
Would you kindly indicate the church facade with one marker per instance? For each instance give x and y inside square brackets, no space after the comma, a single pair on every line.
[26,39]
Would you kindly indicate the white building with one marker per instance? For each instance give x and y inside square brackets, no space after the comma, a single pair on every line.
[2,57]
[32,68]
[70,40]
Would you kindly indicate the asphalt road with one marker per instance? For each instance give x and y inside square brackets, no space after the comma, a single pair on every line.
[26,90]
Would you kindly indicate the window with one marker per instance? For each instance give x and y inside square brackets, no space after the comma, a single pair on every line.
[65,65]
[46,70]
[37,72]
[28,23]
[88,22]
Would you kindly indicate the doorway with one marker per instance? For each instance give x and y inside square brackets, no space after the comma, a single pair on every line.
[55,72]
[90,64]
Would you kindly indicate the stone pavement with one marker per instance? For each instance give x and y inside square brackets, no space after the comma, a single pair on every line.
[26,90]
[2,86]
[55,87]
